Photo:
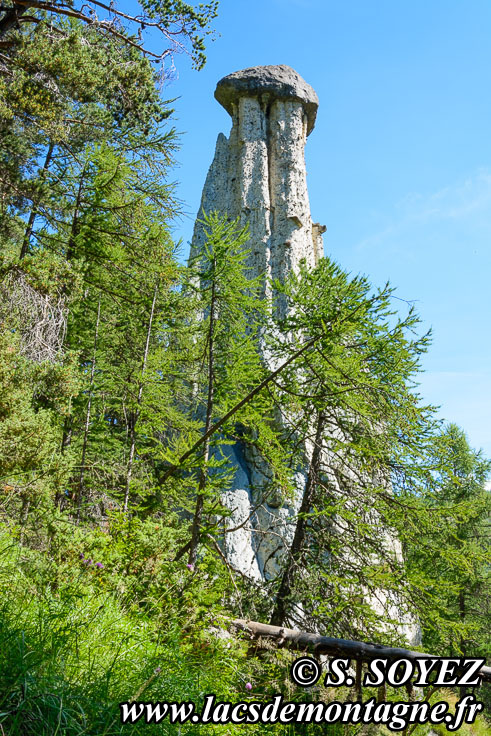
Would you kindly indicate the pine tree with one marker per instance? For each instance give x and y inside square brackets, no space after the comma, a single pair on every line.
[179,25]
[126,265]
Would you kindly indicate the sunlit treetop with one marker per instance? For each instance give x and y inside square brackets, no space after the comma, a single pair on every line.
[176,26]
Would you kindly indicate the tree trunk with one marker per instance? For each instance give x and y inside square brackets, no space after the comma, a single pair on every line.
[462,613]
[30,223]
[200,499]
[12,16]
[303,641]
[24,515]
[81,483]
[297,547]
[136,416]
[76,213]
[66,439]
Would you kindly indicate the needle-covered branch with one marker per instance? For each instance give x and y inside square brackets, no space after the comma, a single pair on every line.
[181,26]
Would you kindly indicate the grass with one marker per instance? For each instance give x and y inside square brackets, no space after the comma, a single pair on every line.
[70,653]
[72,649]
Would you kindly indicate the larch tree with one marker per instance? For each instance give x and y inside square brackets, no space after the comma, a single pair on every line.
[357,423]
[452,554]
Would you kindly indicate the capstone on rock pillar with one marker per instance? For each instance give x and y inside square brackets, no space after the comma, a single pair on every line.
[258,174]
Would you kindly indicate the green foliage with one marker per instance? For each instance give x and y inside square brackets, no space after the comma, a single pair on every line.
[94,247]
[74,644]
[31,470]
[72,648]
[451,555]
[54,102]
[180,26]
[223,327]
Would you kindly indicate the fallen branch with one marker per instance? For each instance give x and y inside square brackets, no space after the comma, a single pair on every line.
[317,645]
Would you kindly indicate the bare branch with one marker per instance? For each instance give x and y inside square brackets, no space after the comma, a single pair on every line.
[317,644]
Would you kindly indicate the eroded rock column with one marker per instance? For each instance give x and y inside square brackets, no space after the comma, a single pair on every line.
[258,175]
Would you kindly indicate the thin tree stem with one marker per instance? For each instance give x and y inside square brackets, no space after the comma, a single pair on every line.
[81,481]
[30,223]
[136,416]
[198,513]
[76,213]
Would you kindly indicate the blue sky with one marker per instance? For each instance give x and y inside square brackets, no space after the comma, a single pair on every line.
[399,163]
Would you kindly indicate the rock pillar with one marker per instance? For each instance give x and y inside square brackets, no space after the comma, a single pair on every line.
[258,175]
